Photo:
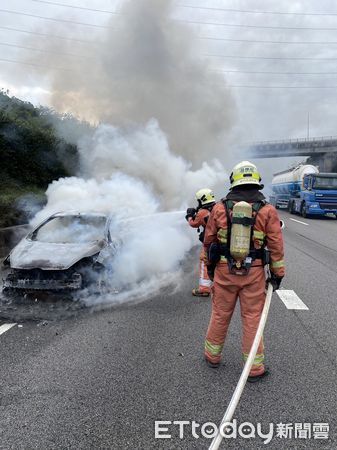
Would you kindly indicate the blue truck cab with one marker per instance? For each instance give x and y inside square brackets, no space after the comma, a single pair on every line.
[317,196]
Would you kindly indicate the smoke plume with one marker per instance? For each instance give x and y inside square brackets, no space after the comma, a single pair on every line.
[145,65]
[163,119]
[131,174]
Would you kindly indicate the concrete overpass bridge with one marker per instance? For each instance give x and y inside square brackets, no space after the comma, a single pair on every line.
[322,149]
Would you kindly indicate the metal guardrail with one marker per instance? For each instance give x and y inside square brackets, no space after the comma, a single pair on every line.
[326,145]
[292,141]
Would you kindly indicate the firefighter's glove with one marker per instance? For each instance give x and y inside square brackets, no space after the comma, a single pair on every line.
[210,271]
[275,281]
[190,212]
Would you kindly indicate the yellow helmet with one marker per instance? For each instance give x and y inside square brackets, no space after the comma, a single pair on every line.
[205,196]
[245,173]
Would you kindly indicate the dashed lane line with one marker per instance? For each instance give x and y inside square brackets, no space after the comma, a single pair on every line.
[291,299]
[299,221]
[5,327]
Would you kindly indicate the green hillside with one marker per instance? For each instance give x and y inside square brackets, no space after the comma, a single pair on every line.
[31,155]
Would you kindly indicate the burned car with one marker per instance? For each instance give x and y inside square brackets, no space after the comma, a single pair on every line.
[68,251]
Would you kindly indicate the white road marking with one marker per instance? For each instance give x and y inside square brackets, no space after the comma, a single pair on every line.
[291,299]
[5,327]
[298,221]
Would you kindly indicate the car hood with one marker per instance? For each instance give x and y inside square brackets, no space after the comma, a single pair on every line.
[48,256]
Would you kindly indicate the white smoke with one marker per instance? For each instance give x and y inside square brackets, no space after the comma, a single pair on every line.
[153,246]
[120,195]
[131,174]
[166,121]
[143,65]
[143,152]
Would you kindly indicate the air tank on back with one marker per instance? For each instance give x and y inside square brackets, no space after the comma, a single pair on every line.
[290,181]
[241,234]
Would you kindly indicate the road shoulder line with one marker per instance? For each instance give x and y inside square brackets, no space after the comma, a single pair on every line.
[291,299]
[5,327]
[299,221]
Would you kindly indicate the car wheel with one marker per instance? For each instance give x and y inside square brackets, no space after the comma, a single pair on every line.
[304,211]
[292,207]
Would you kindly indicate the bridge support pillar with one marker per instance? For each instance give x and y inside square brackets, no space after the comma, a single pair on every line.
[327,162]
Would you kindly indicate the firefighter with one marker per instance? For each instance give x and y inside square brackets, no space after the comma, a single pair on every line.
[244,279]
[197,218]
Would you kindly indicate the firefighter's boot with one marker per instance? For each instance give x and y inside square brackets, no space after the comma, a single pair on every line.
[199,293]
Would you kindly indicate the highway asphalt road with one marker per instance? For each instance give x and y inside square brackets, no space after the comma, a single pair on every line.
[100,380]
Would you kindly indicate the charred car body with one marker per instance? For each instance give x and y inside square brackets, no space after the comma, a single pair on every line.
[68,251]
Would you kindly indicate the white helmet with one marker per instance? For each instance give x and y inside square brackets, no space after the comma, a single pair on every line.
[205,197]
[245,173]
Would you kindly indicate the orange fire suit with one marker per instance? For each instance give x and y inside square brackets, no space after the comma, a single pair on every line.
[200,220]
[250,288]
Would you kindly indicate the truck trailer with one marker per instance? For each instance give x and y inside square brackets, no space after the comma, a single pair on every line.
[304,190]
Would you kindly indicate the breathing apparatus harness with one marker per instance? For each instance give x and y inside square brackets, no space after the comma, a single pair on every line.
[201,233]
[192,212]
[216,250]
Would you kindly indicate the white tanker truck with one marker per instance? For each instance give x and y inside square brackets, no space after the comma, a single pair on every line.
[305,191]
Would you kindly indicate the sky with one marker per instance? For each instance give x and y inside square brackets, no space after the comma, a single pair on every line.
[277,59]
